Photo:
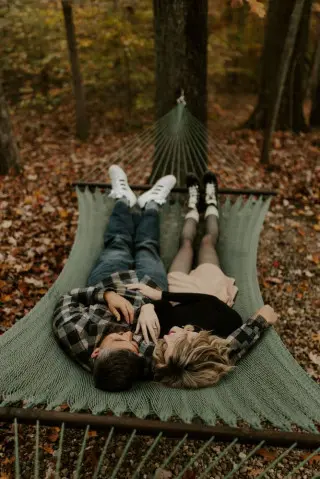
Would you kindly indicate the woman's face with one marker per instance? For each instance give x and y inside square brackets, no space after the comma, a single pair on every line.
[175,335]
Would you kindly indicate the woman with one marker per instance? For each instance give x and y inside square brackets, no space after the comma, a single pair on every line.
[203,337]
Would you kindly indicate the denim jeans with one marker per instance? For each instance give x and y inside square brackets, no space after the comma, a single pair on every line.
[131,241]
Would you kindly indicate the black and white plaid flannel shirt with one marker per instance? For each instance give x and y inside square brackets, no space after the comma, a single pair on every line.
[243,338]
[81,316]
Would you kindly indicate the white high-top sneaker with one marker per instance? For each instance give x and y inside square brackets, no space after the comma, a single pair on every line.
[159,191]
[120,187]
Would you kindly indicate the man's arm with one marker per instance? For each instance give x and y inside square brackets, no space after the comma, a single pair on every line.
[243,338]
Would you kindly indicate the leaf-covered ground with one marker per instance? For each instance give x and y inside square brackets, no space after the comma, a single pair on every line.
[38,219]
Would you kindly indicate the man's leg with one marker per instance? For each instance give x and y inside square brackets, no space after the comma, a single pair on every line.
[118,244]
[147,241]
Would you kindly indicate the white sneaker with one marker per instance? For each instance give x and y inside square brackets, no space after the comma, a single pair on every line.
[159,191]
[120,187]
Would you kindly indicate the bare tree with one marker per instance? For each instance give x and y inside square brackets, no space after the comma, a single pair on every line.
[82,122]
[9,153]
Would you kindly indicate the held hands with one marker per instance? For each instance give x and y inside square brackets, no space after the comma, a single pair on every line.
[268,314]
[148,322]
[119,305]
[147,291]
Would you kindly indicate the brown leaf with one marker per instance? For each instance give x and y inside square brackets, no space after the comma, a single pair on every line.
[254,472]
[266,454]
[189,475]
[272,279]
[162,474]
[92,433]
[315,358]
[316,336]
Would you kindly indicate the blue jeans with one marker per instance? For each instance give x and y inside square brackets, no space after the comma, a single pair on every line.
[131,241]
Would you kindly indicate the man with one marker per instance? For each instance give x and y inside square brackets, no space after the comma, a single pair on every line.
[94,325]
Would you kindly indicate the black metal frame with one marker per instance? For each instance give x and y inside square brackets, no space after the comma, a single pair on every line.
[180,189]
[148,427]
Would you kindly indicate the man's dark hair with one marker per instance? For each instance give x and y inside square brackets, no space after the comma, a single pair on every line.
[116,370]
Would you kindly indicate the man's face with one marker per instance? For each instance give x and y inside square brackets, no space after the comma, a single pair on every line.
[117,341]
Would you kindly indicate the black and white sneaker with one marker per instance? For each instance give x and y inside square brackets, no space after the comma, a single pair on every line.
[210,185]
[120,187]
[193,186]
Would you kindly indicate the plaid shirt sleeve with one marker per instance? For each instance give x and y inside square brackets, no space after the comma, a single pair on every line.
[73,325]
[243,338]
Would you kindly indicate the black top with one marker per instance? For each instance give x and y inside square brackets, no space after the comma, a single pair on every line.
[203,311]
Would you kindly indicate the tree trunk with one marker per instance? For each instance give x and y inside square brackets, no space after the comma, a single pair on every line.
[279,85]
[82,123]
[181,54]
[9,153]
[315,89]
[291,107]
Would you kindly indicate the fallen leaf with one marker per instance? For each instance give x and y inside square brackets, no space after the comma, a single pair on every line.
[162,474]
[266,454]
[189,475]
[6,224]
[313,459]
[254,472]
[316,336]
[54,434]
[274,280]
[92,433]
[314,358]
[7,460]
[48,449]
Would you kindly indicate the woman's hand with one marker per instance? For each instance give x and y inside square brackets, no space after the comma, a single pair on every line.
[268,314]
[119,305]
[147,291]
[148,321]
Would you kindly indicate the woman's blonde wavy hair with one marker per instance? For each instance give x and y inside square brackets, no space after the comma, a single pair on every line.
[196,363]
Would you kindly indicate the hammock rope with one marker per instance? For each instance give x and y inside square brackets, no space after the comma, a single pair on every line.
[175,144]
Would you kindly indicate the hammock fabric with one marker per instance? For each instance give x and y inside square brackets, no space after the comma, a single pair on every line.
[268,384]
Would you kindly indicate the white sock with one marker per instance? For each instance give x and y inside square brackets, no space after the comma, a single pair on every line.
[211,210]
[193,214]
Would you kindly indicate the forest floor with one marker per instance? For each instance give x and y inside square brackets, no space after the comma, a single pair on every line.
[38,219]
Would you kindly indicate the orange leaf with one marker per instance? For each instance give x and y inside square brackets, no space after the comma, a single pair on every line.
[8,460]
[54,434]
[48,449]
[268,455]
[92,433]
[63,213]
[313,459]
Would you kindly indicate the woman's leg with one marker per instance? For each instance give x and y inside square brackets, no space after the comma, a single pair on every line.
[184,258]
[118,244]
[207,251]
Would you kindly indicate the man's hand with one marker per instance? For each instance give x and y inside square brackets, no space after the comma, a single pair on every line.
[148,321]
[117,304]
[268,314]
[147,291]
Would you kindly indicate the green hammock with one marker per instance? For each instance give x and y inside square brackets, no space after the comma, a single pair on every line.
[268,384]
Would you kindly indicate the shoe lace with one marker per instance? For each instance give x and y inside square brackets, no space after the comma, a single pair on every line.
[122,184]
[193,196]
[211,191]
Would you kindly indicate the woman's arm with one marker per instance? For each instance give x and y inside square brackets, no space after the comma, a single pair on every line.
[243,338]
